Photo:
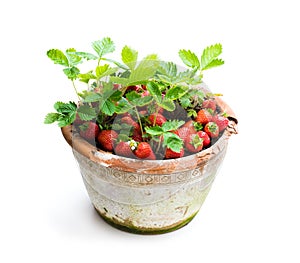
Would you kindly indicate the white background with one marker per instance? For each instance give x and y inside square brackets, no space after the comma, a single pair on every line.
[252,211]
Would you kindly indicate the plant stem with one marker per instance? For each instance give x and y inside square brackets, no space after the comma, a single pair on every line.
[75,90]
[155,116]
[139,120]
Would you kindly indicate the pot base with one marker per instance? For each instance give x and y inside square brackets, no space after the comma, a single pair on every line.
[144,231]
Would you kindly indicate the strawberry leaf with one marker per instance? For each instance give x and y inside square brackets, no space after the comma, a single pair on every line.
[155,130]
[85,55]
[209,55]
[172,125]
[107,107]
[86,77]
[71,72]
[167,105]
[129,57]
[189,58]
[105,70]
[58,57]
[172,141]
[72,57]
[51,117]
[86,113]
[103,46]
[155,91]
[176,92]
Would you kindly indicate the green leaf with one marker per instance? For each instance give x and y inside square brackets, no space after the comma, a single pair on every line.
[72,72]
[108,107]
[72,57]
[176,92]
[192,113]
[120,65]
[145,70]
[185,102]
[51,117]
[105,70]
[103,46]
[92,97]
[155,130]
[172,141]
[58,57]
[116,96]
[118,80]
[168,69]
[172,125]
[154,90]
[65,108]
[85,55]
[86,113]
[167,105]
[143,101]
[214,63]
[129,57]
[132,95]
[86,77]
[209,54]
[67,119]
[189,58]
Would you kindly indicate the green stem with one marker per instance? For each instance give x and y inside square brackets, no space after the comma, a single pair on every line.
[75,90]
[139,120]
[155,116]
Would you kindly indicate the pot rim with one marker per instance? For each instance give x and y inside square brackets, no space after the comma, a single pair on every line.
[109,159]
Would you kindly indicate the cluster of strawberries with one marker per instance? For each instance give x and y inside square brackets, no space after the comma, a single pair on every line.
[196,134]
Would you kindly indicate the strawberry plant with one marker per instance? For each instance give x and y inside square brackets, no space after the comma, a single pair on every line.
[140,108]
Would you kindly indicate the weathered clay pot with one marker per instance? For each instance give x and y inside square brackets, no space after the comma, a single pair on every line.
[148,197]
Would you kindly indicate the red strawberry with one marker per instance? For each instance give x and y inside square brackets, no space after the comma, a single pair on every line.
[191,126]
[123,149]
[137,135]
[212,129]
[193,143]
[209,104]
[170,154]
[143,150]
[221,121]
[107,138]
[184,132]
[203,116]
[152,156]
[128,120]
[159,120]
[205,137]
[89,130]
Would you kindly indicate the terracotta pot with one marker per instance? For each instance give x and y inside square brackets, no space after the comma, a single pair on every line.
[149,197]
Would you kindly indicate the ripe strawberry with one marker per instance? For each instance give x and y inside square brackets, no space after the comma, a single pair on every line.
[221,121]
[128,120]
[123,149]
[184,132]
[152,156]
[203,116]
[209,104]
[172,155]
[212,129]
[159,120]
[143,150]
[107,138]
[205,137]
[89,130]
[193,143]
[137,135]
[191,126]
